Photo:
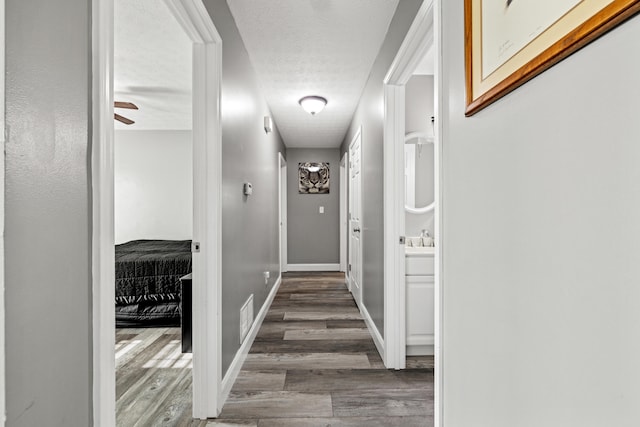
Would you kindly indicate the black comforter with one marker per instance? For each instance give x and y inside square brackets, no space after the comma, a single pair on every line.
[148,276]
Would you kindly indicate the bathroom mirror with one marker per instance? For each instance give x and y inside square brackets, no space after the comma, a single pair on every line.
[419,194]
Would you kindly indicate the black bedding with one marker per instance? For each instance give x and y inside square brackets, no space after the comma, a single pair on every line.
[148,276]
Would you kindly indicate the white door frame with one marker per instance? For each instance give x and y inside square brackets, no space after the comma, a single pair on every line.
[282,211]
[419,39]
[2,144]
[207,142]
[343,211]
[359,297]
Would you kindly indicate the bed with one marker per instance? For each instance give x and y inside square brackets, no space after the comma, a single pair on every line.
[148,276]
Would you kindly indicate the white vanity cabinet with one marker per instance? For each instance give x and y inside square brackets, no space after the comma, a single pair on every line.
[420,301]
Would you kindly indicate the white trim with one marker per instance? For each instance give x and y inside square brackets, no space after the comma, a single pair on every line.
[282,212]
[394,289]
[417,42]
[103,270]
[3,405]
[344,178]
[313,267]
[373,329]
[420,350]
[207,210]
[207,58]
[241,355]
[424,32]
[440,137]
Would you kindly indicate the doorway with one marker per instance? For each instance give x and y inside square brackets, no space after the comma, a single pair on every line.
[419,39]
[207,137]
[153,218]
[355,217]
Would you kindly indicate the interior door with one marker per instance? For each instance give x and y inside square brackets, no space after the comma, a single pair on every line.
[355,220]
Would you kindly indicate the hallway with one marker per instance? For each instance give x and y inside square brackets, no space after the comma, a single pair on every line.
[314,363]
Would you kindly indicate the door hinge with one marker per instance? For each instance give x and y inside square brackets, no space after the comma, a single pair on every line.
[402,240]
[195,246]
[349,268]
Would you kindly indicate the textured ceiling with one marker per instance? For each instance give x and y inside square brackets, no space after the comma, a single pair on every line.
[313,47]
[152,66]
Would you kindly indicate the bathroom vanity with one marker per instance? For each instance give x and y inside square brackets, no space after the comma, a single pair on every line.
[420,283]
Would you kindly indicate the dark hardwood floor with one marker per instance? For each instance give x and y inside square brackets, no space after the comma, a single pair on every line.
[313,363]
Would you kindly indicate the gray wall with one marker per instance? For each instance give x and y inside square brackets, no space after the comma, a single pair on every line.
[250,243]
[541,206]
[369,116]
[419,109]
[313,238]
[48,252]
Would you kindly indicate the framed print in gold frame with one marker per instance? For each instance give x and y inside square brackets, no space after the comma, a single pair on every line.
[508,42]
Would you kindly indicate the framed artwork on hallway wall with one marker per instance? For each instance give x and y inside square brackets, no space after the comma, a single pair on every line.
[509,42]
[313,178]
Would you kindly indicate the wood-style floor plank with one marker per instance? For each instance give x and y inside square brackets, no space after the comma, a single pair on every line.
[382,403]
[328,334]
[265,361]
[420,421]
[277,404]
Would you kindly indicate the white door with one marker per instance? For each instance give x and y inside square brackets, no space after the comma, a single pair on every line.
[355,223]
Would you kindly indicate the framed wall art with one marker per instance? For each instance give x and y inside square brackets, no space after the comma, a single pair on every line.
[313,178]
[508,42]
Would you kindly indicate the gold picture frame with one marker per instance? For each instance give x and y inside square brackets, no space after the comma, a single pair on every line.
[509,42]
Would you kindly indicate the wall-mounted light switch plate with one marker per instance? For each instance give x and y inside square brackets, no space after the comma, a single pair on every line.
[321,210]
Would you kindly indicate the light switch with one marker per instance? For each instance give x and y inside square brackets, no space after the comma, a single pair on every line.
[321,210]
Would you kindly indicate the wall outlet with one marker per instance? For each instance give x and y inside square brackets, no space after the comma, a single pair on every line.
[266,276]
[246,318]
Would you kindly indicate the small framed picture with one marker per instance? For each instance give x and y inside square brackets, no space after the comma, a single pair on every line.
[313,178]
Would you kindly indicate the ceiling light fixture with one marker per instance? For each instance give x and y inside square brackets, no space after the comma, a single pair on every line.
[312,104]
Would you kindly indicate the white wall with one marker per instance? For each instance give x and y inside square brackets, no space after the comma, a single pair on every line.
[541,218]
[153,185]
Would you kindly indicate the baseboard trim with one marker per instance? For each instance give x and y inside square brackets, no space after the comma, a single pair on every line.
[313,267]
[241,355]
[420,350]
[375,333]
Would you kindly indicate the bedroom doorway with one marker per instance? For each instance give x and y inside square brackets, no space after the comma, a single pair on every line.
[205,46]
[153,213]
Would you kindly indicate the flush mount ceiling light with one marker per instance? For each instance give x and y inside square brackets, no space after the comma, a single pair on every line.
[312,104]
